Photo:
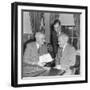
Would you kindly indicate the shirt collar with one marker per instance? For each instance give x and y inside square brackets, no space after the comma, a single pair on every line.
[37,45]
[64,46]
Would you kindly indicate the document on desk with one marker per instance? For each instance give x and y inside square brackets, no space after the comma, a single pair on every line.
[45,58]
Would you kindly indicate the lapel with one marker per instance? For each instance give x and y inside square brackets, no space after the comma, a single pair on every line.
[35,51]
[65,50]
[41,49]
[55,34]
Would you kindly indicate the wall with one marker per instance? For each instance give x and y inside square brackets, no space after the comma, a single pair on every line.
[5,46]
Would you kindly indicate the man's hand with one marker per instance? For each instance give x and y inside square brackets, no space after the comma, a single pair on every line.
[41,64]
[58,67]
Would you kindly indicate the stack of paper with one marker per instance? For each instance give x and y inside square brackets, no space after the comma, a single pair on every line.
[45,58]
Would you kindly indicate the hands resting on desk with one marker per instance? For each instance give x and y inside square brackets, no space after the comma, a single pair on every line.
[44,65]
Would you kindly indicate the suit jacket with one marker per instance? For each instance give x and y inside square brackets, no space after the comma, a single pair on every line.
[31,55]
[31,59]
[54,42]
[67,58]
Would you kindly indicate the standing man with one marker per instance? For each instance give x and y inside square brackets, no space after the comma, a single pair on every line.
[55,32]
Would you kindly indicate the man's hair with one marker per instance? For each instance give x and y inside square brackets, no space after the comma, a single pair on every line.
[38,34]
[57,21]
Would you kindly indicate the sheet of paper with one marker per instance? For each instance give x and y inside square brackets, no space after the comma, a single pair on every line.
[45,58]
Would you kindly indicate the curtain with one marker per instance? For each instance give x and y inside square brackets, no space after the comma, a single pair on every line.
[53,17]
[35,21]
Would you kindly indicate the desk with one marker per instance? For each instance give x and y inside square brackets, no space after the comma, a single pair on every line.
[35,70]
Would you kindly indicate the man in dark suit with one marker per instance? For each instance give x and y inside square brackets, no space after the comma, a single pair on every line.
[66,55]
[32,53]
[55,32]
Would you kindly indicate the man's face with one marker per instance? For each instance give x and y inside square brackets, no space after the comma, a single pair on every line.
[57,27]
[41,40]
[61,41]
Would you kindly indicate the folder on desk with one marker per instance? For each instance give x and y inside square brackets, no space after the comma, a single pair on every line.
[45,58]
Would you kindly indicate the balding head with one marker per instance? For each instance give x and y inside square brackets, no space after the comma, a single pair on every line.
[40,38]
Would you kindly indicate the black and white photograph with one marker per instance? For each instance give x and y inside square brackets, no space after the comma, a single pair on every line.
[49,44]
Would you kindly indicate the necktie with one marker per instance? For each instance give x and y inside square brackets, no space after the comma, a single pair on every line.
[38,51]
[61,50]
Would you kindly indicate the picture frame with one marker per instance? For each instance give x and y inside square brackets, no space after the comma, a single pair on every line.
[17,12]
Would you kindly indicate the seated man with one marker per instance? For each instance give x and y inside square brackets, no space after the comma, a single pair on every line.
[65,57]
[33,52]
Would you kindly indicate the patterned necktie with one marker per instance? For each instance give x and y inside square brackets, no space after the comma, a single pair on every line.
[40,51]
